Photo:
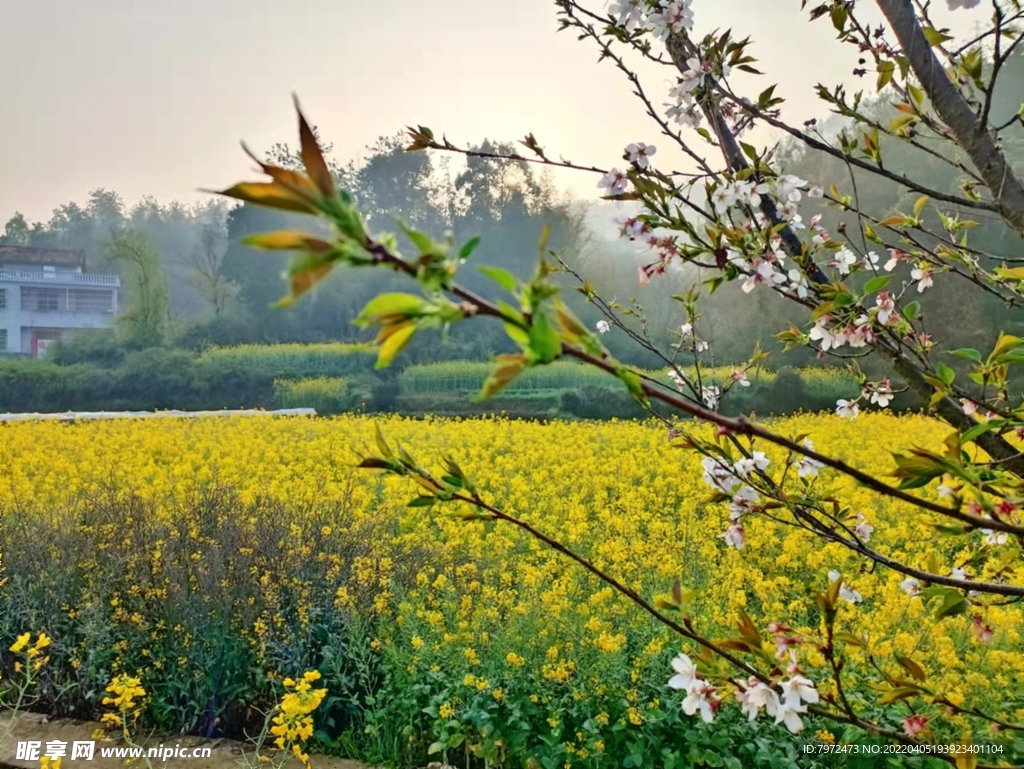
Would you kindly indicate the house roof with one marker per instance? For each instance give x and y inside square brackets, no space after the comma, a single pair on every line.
[41,256]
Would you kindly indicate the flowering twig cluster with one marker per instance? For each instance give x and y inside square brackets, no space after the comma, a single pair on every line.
[753,230]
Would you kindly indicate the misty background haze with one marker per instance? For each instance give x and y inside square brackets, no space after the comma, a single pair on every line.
[152,98]
[128,109]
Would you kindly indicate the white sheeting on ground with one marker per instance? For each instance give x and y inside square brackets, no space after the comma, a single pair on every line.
[72,416]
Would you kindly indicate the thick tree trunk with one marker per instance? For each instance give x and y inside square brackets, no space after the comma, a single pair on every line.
[974,138]
[1011,201]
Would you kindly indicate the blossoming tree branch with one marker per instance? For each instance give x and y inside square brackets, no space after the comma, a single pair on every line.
[737,215]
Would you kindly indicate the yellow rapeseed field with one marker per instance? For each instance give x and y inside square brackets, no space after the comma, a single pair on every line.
[478,604]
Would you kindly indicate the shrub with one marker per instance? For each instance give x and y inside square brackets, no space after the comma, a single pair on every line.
[540,405]
[601,403]
[469,376]
[328,395]
[88,346]
[288,361]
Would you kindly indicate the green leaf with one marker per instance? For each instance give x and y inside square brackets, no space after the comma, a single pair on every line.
[966,352]
[916,94]
[503,278]
[518,335]
[920,204]
[389,308]
[877,283]
[946,374]
[421,240]
[374,463]
[544,340]
[843,299]
[934,37]
[981,428]
[839,15]
[508,368]
[766,96]
[395,339]
[950,601]
[1009,273]
[382,444]
[287,240]
[850,639]
[1006,343]
[911,667]
[912,310]
[435,747]
[422,502]
[271,195]
[899,693]
[886,69]
[469,247]
[916,466]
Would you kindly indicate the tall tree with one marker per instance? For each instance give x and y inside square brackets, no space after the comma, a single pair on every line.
[145,321]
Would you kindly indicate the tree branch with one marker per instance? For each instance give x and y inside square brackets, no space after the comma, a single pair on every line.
[1005,186]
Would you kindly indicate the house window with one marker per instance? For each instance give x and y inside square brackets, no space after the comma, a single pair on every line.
[3,340]
[91,300]
[47,301]
[39,299]
[3,298]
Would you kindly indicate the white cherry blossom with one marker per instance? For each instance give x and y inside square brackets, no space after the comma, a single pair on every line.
[787,188]
[847,409]
[881,393]
[756,462]
[755,695]
[615,181]
[740,378]
[627,13]
[911,586]
[603,326]
[923,275]
[863,529]
[798,283]
[886,307]
[734,536]
[686,673]
[723,198]
[844,260]
[719,475]
[697,700]
[806,466]
[671,17]
[640,153]
[710,396]
[845,592]
[822,334]
[764,272]
[994,537]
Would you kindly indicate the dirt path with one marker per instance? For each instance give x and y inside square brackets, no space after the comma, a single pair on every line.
[224,754]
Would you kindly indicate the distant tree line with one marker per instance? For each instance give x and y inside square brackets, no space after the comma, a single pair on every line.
[190,283]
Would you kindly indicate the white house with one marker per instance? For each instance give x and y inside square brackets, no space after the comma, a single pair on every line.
[46,295]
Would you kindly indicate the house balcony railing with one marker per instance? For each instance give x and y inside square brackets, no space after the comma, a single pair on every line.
[59,278]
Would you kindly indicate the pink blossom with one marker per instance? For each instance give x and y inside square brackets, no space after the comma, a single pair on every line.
[914,725]
[980,630]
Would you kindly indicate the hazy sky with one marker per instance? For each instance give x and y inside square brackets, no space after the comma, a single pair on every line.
[147,97]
